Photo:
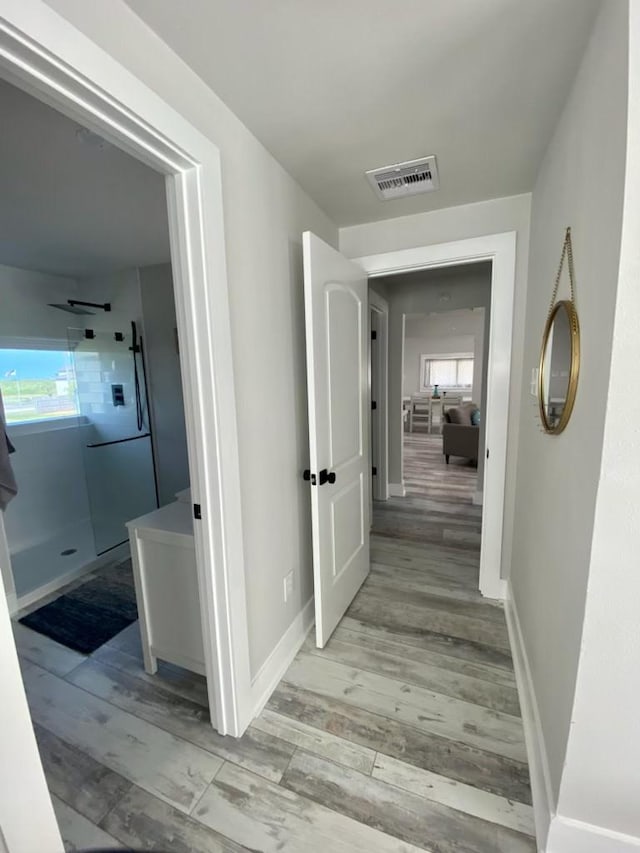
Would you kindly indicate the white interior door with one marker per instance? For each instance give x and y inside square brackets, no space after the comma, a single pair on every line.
[337,323]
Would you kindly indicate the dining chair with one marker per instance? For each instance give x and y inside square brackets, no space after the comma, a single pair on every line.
[420,410]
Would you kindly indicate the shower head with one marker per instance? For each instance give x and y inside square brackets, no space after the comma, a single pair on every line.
[72,309]
[72,306]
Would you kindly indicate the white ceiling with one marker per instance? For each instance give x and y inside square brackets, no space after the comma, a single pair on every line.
[333,88]
[70,208]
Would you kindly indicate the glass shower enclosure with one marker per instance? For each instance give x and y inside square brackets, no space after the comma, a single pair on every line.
[114,430]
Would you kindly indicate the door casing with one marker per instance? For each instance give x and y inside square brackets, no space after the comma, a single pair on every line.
[379,359]
[45,55]
[500,249]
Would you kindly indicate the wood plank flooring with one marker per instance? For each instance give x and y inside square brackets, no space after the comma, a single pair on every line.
[403,734]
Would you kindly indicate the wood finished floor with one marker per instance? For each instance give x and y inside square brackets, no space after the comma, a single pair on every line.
[403,734]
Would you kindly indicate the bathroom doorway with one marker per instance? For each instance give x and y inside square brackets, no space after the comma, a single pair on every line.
[91,382]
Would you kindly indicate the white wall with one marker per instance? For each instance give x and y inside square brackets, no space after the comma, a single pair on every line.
[265,213]
[25,295]
[122,290]
[443,334]
[601,777]
[145,295]
[459,223]
[165,383]
[558,477]
[52,504]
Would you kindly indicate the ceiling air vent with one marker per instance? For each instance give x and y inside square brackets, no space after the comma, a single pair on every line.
[403,179]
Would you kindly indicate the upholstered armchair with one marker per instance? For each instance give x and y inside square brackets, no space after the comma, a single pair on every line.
[460,437]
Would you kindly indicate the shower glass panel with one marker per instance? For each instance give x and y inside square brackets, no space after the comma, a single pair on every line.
[114,431]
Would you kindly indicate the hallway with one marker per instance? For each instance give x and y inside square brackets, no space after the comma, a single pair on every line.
[419,674]
[402,734]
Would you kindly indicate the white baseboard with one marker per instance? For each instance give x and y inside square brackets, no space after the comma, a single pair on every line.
[397,490]
[29,598]
[541,791]
[275,666]
[574,836]
[555,833]
[493,588]
[476,498]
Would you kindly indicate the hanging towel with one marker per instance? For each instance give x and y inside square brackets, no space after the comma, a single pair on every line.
[8,485]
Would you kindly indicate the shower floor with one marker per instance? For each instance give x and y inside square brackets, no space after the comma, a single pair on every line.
[43,565]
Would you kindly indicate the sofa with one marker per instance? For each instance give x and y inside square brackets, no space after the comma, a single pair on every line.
[460,437]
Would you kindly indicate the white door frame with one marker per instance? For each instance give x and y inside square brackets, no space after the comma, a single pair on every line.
[500,249]
[379,393]
[45,55]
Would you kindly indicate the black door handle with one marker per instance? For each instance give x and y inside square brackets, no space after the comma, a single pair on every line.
[324,477]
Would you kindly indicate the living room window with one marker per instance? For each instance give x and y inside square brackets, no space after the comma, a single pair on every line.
[452,371]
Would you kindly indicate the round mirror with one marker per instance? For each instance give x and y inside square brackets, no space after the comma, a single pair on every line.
[559,367]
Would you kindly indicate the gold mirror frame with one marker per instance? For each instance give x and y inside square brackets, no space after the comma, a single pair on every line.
[574,371]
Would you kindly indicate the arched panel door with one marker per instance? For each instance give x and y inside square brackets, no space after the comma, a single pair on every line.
[336,306]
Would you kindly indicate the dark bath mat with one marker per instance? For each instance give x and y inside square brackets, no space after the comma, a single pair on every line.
[91,614]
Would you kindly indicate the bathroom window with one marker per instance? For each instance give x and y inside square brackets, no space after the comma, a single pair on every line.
[37,384]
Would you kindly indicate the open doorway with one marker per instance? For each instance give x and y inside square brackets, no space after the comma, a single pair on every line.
[94,418]
[49,58]
[438,346]
[89,366]
[491,262]
[342,361]
[69,73]
[90,378]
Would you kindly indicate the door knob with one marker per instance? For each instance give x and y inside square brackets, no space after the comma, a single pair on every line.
[323,477]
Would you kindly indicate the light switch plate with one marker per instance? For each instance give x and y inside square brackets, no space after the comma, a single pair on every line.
[288,586]
[533,390]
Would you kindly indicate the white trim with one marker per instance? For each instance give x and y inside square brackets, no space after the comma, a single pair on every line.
[381,394]
[567,835]
[541,790]
[6,572]
[500,249]
[280,659]
[121,552]
[12,605]
[477,497]
[555,833]
[41,52]
[397,490]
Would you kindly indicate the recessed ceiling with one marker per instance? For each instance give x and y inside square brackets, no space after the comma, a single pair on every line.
[335,88]
[69,206]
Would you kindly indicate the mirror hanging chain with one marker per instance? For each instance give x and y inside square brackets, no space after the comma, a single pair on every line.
[556,412]
[567,252]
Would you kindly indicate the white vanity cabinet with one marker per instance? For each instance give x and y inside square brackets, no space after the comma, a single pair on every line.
[164,570]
